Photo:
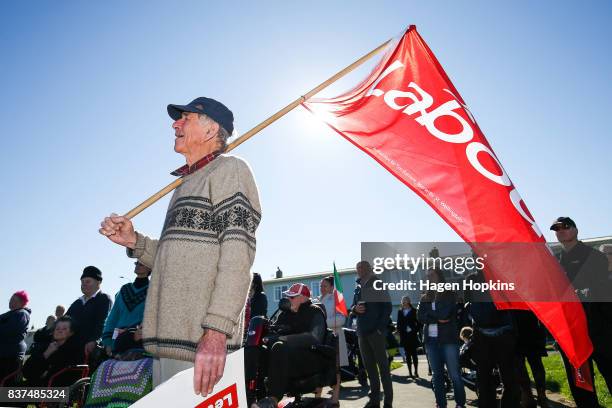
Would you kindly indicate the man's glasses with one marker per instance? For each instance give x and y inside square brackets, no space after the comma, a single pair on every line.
[559,227]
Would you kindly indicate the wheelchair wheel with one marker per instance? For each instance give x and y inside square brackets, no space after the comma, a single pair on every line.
[77,393]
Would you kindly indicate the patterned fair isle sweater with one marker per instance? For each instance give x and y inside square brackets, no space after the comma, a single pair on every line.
[201,263]
[127,310]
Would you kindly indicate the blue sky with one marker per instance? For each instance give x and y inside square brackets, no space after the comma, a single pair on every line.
[85,87]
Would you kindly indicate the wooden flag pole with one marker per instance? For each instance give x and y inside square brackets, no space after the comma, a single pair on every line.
[149,201]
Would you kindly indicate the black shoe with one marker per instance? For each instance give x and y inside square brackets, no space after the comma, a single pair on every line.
[265,403]
[372,404]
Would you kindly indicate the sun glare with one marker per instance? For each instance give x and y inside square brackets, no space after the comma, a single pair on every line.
[313,129]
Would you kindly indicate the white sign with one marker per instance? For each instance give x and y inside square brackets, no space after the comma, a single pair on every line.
[177,392]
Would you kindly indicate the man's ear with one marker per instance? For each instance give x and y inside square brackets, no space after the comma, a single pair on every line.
[214,128]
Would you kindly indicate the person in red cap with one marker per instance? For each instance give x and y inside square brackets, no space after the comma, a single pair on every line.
[13,330]
[305,326]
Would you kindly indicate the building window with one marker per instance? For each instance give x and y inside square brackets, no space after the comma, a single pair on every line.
[278,292]
[315,289]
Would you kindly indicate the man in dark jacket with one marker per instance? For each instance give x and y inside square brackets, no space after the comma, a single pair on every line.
[373,308]
[587,270]
[90,310]
[13,330]
[290,355]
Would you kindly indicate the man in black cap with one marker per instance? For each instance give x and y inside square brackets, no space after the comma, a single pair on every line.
[90,310]
[201,264]
[586,268]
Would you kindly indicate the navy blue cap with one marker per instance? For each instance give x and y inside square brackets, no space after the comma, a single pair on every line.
[209,107]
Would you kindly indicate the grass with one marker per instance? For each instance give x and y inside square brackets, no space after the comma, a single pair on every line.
[556,380]
[396,364]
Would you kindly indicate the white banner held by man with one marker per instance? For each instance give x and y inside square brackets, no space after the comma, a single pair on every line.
[178,390]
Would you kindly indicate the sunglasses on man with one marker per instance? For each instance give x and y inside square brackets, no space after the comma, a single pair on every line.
[559,227]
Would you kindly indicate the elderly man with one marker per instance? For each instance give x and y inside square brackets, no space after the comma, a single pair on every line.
[90,310]
[201,263]
[587,270]
[60,311]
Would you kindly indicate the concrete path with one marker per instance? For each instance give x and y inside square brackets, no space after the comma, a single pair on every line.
[414,393]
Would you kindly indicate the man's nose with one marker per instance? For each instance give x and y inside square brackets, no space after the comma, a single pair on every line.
[177,124]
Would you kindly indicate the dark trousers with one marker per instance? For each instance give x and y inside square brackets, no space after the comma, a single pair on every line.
[373,348]
[280,365]
[583,398]
[286,363]
[604,363]
[490,352]
[410,348]
[9,365]
[537,369]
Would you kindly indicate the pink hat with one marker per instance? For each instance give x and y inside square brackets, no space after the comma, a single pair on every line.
[23,295]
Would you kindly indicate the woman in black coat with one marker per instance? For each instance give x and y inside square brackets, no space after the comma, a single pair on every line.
[408,328]
[62,352]
[258,299]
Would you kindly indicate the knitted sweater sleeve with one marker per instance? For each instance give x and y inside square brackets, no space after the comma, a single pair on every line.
[144,250]
[235,200]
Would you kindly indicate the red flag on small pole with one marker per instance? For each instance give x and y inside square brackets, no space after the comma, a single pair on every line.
[339,294]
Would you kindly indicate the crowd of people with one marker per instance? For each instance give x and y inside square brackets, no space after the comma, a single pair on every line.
[90,331]
[455,333]
[194,295]
[459,333]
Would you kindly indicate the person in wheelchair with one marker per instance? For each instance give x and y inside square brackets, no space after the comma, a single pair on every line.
[64,351]
[290,342]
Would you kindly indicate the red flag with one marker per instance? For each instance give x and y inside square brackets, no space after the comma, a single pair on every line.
[582,377]
[408,116]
